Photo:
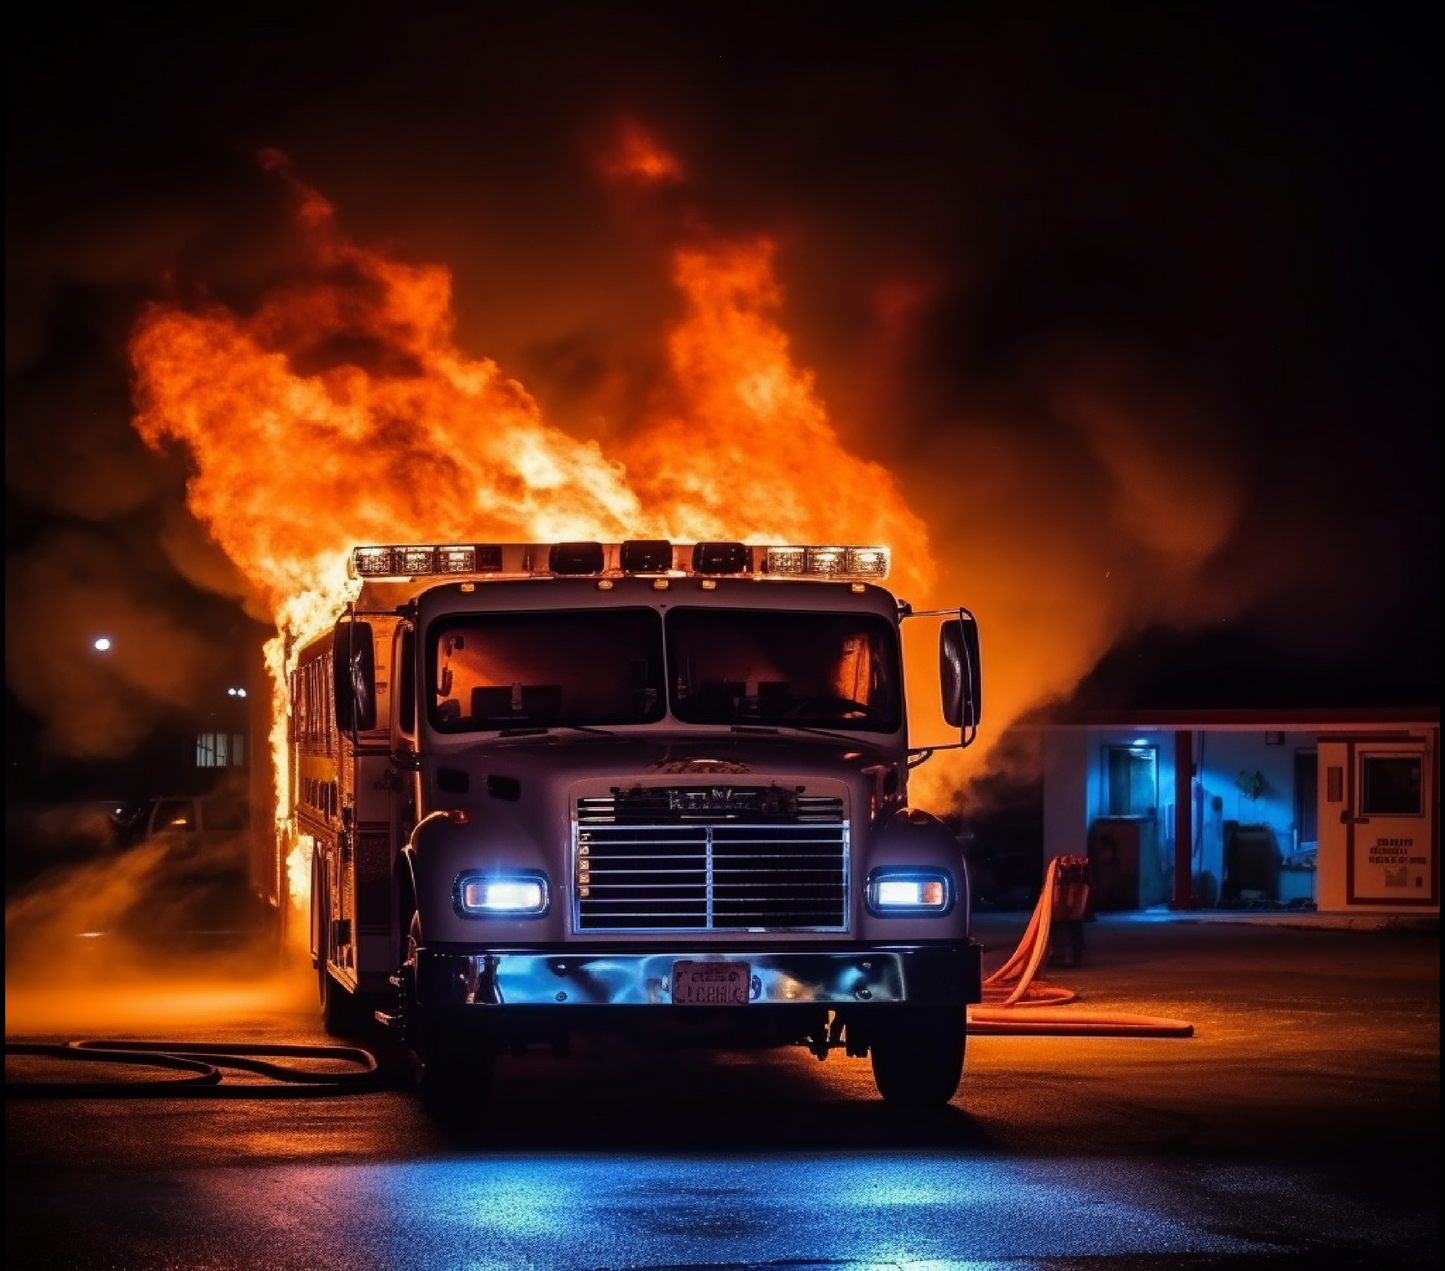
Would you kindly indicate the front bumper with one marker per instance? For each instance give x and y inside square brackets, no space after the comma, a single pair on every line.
[942,974]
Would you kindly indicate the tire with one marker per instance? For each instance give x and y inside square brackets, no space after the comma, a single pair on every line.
[452,1069]
[918,1056]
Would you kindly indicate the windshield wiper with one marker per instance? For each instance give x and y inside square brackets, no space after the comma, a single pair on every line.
[774,730]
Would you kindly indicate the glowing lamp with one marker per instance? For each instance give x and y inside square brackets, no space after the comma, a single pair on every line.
[867,562]
[501,895]
[786,560]
[576,558]
[826,562]
[721,558]
[909,893]
[457,559]
[412,561]
[372,562]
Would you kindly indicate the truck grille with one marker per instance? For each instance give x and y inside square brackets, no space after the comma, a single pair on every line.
[738,859]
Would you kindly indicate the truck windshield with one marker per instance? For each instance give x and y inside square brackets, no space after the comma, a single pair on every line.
[600,667]
[775,666]
[585,667]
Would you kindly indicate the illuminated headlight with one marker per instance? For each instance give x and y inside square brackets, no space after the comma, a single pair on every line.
[900,893]
[502,895]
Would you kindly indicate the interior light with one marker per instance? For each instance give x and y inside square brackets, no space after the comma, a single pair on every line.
[576,558]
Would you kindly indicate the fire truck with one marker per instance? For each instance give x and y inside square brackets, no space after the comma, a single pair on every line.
[647,789]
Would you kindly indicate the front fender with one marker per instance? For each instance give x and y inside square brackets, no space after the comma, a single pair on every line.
[910,838]
[447,844]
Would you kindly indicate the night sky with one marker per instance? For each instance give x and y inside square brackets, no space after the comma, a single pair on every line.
[1062,268]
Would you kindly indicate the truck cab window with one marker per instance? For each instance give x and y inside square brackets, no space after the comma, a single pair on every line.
[554,668]
[774,666]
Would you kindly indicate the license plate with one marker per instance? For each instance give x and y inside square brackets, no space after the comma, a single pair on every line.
[711,983]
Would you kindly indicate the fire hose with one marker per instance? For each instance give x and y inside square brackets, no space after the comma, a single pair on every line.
[204,1065]
[1016,1003]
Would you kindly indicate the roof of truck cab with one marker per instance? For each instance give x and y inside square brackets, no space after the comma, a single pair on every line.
[532,594]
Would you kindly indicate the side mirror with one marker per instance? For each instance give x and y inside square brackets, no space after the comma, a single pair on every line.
[959,673]
[354,664]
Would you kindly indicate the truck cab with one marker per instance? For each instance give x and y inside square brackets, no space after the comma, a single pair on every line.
[652,789]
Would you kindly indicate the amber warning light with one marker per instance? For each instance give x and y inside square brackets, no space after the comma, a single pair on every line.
[635,556]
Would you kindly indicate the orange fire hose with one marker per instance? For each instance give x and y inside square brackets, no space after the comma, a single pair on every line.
[1014,1003]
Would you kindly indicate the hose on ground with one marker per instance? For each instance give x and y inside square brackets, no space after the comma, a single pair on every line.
[203,1066]
[1015,1002]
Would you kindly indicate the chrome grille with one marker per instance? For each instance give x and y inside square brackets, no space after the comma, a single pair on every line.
[648,861]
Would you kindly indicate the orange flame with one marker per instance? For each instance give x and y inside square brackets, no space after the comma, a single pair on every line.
[342,411]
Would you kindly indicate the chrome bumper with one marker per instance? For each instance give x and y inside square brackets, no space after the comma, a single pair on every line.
[939,974]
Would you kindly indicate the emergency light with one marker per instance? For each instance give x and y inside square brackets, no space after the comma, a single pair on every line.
[657,558]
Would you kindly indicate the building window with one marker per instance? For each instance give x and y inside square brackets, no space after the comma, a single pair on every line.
[1390,785]
[221,750]
[1131,780]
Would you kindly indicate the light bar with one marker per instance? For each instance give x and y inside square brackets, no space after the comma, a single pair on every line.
[722,558]
[646,556]
[643,556]
[785,560]
[576,558]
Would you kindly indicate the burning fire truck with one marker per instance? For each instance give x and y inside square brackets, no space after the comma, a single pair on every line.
[651,789]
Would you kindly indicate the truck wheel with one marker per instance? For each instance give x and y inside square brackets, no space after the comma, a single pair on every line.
[452,1070]
[918,1057]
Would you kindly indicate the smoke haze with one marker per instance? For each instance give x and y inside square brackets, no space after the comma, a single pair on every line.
[1134,311]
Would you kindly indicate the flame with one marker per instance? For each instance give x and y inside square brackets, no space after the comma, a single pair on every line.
[341,410]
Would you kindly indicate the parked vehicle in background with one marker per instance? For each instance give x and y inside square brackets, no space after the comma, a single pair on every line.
[190,817]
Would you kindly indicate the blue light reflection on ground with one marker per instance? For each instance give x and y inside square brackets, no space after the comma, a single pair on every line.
[558,1213]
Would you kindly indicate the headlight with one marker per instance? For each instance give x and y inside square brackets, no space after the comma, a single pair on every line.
[899,893]
[522,895]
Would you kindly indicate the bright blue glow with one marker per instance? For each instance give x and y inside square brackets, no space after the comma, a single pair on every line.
[570,1213]
[491,894]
